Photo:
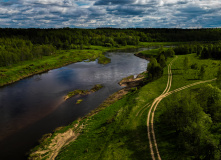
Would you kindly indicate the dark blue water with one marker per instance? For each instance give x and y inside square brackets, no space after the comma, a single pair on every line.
[34,106]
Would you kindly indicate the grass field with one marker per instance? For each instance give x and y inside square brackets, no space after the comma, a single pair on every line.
[152,52]
[183,77]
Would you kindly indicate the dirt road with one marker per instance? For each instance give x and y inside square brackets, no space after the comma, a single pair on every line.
[150,130]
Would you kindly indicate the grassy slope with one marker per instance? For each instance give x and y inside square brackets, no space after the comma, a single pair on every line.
[161,43]
[24,69]
[152,52]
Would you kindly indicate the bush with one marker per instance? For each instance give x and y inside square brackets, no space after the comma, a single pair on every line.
[194,66]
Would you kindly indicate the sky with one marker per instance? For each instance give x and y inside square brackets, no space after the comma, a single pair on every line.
[110,13]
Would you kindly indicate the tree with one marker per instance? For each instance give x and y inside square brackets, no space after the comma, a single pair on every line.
[124,42]
[162,61]
[170,52]
[186,63]
[185,117]
[205,53]
[154,69]
[202,72]
[218,80]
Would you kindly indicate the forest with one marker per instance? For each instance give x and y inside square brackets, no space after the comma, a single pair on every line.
[27,44]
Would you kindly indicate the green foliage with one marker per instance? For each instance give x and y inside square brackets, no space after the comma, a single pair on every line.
[190,120]
[204,54]
[14,50]
[162,61]
[79,101]
[202,72]
[199,49]
[104,60]
[154,69]
[83,92]
[156,65]
[209,98]
[218,81]
[186,63]
[44,138]
[96,87]
[203,50]
[194,66]
[182,49]
[149,53]
[170,52]
[77,92]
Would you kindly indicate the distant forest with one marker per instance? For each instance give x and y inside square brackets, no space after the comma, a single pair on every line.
[25,44]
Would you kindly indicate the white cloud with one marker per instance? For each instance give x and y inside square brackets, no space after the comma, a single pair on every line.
[97,13]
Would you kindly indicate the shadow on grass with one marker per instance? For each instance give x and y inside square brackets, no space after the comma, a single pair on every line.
[177,74]
[167,143]
[193,79]
[138,143]
[175,69]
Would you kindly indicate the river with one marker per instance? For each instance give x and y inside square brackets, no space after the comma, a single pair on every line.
[34,106]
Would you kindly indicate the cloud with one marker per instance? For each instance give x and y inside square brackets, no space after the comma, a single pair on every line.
[114,13]
[114,2]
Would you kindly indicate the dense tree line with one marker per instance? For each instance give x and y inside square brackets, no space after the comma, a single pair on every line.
[193,121]
[72,38]
[13,50]
[204,51]
[77,38]
[24,44]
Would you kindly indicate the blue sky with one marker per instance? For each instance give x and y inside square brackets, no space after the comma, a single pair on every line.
[110,13]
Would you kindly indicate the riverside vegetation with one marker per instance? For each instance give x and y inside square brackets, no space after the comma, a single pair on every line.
[186,122]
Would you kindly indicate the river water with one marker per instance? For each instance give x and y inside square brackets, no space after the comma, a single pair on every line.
[34,106]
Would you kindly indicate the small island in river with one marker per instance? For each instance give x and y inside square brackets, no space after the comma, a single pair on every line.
[83,92]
